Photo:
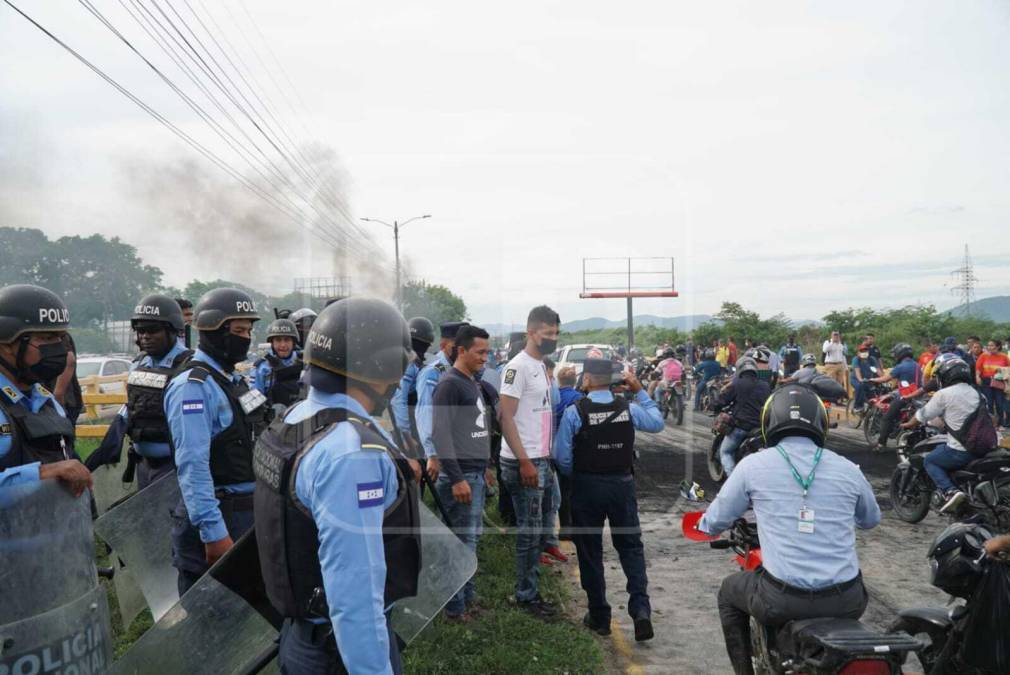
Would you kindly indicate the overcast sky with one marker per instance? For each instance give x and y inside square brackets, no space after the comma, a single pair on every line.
[791,156]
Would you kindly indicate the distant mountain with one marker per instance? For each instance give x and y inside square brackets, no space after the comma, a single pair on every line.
[996,308]
[682,323]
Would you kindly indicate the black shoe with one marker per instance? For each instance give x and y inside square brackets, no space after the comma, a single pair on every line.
[643,629]
[598,627]
[539,608]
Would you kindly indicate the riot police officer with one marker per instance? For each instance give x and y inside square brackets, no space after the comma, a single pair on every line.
[214,419]
[596,444]
[36,438]
[277,374]
[426,381]
[422,334]
[157,319]
[302,319]
[337,513]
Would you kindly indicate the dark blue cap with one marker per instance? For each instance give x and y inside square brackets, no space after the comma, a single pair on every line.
[449,329]
[598,366]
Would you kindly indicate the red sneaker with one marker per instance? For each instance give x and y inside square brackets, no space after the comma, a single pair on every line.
[555,552]
[544,560]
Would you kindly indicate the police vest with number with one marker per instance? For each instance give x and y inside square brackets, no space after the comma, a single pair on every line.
[231,450]
[286,533]
[45,436]
[606,441]
[145,400]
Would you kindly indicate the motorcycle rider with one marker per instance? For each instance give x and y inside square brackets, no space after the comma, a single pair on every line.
[157,320]
[747,394]
[953,404]
[806,373]
[791,353]
[810,566]
[671,371]
[908,375]
[864,368]
[277,374]
[706,371]
[762,357]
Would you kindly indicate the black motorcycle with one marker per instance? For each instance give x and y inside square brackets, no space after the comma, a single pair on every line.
[985,482]
[672,401]
[723,425]
[823,646]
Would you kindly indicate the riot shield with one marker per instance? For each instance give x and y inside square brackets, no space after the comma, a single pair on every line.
[109,487]
[139,530]
[53,614]
[446,565]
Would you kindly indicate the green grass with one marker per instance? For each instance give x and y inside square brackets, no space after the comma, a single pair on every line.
[505,639]
[86,446]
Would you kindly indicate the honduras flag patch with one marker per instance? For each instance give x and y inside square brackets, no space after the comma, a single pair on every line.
[370,494]
[192,407]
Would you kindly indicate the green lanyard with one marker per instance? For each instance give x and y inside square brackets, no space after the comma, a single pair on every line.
[805,484]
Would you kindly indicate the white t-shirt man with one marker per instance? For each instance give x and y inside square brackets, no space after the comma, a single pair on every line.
[525,378]
[834,352]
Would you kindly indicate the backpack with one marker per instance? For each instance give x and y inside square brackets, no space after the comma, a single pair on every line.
[977,434]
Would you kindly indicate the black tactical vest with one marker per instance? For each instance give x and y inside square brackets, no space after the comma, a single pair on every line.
[231,450]
[606,441]
[145,400]
[45,436]
[791,357]
[284,387]
[286,533]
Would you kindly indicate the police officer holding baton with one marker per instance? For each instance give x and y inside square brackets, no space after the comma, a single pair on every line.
[596,445]
[214,420]
[336,510]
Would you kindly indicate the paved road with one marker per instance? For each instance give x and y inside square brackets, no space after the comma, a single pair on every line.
[684,576]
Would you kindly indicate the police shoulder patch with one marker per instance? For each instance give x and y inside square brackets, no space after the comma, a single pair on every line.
[371,494]
[510,376]
[5,429]
[11,393]
[192,407]
[42,390]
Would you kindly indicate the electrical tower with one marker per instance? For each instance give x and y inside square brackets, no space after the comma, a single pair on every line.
[966,280]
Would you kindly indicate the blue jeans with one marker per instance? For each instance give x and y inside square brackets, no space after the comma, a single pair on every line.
[599,497]
[698,391]
[997,402]
[730,442]
[860,389]
[941,459]
[467,524]
[552,502]
[530,537]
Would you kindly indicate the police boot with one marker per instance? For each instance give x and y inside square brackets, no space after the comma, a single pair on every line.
[739,649]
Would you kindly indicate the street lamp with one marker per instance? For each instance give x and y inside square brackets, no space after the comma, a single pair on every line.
[395,227]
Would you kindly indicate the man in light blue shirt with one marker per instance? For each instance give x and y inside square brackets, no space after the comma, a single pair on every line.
[808,502]
[424,413]
[404,402]
[214,419]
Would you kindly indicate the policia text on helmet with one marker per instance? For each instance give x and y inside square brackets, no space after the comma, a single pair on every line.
[157,320]
[224,317]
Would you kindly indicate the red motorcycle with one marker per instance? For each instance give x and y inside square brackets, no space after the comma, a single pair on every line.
[877,407]
[825,646]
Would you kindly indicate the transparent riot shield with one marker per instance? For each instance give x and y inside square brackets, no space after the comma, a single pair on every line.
[210,630]
[139,530]
[54,616]
[446,565]
[109,487]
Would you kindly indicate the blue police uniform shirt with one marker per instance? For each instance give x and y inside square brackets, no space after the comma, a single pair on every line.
[839,496]
[197,412]
[37,397]
[424,412]
[348,488]
[398,404]
[263,375]
[645,416]
[566,397]
[708,369]
[907,371]
[148,448]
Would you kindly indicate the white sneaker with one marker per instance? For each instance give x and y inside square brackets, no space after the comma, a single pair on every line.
[954,500]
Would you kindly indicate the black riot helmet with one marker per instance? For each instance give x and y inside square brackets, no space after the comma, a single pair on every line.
[956,558]
[902,350]
[421,330]
[223,304]
[30,309]
[794,410]
[361,339]
[282,328]
[953,370]
[303,319]
[160,308]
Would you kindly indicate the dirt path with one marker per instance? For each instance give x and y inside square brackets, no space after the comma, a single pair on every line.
[684,576]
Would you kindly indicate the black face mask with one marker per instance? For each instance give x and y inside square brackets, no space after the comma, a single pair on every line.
[547,346]
[237,347]
[226,348]
[53,363]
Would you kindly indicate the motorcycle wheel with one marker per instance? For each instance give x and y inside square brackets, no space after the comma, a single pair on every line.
[937,639]
[761,659]
[871,426]
[664,407]
[715,470]
[680,411]
[854,419]
[913,505]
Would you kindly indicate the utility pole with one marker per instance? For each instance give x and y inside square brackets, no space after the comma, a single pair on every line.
[395,227]
[965,276]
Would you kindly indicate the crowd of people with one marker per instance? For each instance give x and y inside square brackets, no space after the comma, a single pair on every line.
[297,450]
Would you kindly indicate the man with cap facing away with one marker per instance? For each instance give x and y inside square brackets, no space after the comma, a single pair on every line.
[596,445]
[426,381]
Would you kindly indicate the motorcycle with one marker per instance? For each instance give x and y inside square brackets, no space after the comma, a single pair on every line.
[672,400]
[878,407]
[825,646]
[857,417]
[985,481]
[723,425]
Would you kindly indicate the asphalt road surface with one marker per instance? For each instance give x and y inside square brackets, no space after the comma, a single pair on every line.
[684,576]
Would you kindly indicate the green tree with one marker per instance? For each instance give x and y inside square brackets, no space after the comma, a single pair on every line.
[436,303]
